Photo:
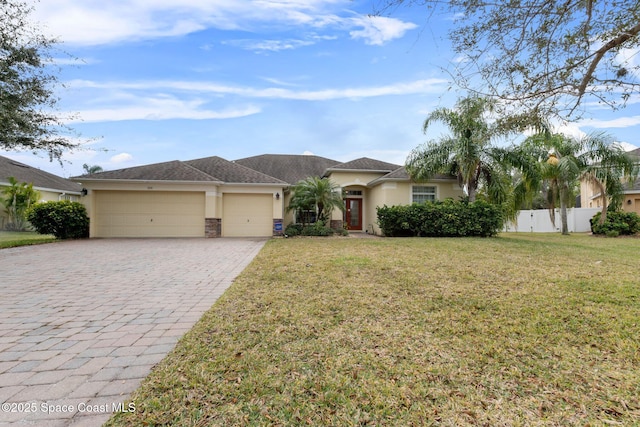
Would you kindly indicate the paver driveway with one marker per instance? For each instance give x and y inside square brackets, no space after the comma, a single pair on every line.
[83,322]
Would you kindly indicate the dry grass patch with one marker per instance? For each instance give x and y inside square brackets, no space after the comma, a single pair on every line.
[515,330]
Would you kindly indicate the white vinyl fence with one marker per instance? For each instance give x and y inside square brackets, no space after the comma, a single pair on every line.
[539,221]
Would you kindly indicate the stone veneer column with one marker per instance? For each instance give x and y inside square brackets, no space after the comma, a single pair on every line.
[212,227]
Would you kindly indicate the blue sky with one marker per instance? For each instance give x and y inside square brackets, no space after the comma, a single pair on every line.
[160,80]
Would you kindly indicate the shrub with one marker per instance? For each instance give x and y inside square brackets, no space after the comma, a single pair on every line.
[617,223]
[446,218]
[316,229]
[63,219]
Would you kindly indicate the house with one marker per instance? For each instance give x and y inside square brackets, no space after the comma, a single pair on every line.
[50,187]
[590,196]
[214,197]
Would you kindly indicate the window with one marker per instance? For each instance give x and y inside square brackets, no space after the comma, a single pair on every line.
[353,193]
[423,193]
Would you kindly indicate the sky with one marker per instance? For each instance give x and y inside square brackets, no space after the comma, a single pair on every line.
[158,80]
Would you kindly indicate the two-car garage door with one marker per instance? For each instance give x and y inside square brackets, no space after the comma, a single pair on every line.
[148,214]
[177,214]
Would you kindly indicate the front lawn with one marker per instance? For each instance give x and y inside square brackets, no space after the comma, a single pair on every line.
[9,239]
[523,329]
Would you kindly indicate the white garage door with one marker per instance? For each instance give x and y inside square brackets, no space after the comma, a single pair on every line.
[148,214]
[247,215]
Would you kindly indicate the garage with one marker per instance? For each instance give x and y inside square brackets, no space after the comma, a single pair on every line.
[148,214]
[247,215]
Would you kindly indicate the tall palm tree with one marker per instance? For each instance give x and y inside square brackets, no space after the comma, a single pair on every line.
[466,153]
[319,194]
[556,163]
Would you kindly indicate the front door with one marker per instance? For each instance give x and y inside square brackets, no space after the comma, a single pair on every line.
[353,214]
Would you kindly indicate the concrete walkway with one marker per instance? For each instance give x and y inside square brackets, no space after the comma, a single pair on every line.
[83,322]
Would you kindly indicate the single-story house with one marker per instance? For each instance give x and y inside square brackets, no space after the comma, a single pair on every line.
[590,196]
[214,197]
[50,186]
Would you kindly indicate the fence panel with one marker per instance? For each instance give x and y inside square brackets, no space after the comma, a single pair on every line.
[539,221]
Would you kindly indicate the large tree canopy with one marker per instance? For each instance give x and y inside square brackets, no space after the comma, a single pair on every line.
[545,55]
[28,117]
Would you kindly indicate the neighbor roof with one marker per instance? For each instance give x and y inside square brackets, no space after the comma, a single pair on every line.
[289,168]
[40,179]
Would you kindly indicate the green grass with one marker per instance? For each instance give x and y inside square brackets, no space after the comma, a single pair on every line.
[10,239]
[519,330]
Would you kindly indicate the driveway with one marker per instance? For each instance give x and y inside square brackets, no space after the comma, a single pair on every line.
[83,322]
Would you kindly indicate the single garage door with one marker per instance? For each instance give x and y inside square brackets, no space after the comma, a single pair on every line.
[148,214]
[247,215]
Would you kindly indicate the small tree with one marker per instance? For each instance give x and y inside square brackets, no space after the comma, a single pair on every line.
[18,198]
[319,194]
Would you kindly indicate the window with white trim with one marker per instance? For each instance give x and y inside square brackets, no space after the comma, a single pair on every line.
[423,193]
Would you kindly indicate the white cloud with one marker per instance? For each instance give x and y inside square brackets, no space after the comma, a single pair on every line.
[161,108]
[378,30]
[422,86]
[620,122]
[269,45]
[121,158]
[95,22]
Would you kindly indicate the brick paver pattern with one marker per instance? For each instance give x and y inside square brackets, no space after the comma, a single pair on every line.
[83,322]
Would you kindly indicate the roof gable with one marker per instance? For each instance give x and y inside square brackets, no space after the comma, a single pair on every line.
[39,178]
[364,164]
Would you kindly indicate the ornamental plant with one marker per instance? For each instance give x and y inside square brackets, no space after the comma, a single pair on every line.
[64,219]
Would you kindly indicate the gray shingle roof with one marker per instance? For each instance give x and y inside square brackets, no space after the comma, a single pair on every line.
[167,171]
[39,178]
[232,172]
[208,169]
[289,168]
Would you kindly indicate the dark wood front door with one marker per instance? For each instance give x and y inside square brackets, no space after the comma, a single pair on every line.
[353,214]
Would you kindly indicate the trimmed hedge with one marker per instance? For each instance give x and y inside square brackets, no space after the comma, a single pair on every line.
[446,218]
[617,223]
[64,219]
[316,229]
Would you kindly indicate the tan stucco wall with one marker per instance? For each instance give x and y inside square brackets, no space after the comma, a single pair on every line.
[345,179]
[400,193]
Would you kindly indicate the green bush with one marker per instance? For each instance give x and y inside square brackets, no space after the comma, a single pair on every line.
[617,223]
[316,229]
[63,219]
[446,218]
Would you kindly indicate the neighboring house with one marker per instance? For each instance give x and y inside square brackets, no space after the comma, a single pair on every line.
[214,197]
[590,196]
[50,187]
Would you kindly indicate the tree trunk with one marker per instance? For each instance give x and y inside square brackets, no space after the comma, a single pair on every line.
[563,211]
[471,191]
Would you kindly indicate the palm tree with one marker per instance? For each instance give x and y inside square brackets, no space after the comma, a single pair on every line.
[90,170]
[467,153]
[555,163]
[18,198]
[319,194]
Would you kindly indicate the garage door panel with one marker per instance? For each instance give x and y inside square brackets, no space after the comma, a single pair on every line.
[247,215]
[152,214]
